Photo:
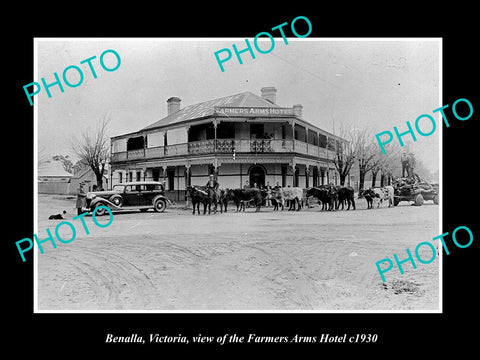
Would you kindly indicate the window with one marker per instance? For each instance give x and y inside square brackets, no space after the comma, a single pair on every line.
[120,177]
[138,175]
[322,141]
[284,175]
[119,188]
[300,133]
[155,174]
[312,137]
[171,179]
[225,130]
[152,187]
[257,131]
[210,132]
[135,143]
[130,189]
[315,176]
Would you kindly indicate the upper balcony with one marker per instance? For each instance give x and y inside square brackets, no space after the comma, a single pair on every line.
[225,146]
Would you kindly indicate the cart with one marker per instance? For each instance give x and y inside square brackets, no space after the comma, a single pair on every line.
[414,189]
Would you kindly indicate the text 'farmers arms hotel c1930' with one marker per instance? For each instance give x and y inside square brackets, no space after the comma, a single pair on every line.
[243,137]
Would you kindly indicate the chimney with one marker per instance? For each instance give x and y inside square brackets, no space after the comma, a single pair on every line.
[297,110]
[269,93]
[173,105]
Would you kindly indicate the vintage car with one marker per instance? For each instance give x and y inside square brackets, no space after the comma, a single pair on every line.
[141,195]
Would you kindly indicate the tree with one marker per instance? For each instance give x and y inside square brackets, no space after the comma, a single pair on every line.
[42,156]
[92,148]
[365,150]
[375,169]
[79,165]
[66,162]
[390,164]
[344,157]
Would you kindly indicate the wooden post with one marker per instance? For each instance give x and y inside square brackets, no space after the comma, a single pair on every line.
[293,174]
[215,136]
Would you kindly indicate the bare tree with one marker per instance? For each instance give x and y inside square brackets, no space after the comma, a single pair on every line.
[344,157]
[43,157]
[66,162]
[365,150]
[377,166]
[93,149]
[390,164]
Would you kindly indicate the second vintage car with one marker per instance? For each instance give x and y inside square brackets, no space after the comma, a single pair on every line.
[141,195]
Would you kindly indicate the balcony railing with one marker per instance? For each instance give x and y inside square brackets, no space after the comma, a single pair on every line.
[225,146]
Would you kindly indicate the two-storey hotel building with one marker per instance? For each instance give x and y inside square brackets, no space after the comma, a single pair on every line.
[239,138]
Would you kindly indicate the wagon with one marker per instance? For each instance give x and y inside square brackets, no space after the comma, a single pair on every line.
[415,189]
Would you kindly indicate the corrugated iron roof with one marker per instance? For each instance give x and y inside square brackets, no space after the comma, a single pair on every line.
[203,109]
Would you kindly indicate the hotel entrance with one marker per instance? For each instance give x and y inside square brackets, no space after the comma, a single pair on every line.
[257,176]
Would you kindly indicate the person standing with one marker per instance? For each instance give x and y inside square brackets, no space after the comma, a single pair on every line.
[268,187]
[405,164]
[411,163]
[81,201]
[247,185]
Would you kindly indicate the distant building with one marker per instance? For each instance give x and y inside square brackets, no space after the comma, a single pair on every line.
[53,179]
[86,176]
[237,138]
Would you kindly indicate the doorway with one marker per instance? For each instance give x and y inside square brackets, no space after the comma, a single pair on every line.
[257,176]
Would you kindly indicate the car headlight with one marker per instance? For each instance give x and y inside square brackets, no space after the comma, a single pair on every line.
[91,196]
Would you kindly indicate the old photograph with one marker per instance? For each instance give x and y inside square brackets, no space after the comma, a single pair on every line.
[212,175]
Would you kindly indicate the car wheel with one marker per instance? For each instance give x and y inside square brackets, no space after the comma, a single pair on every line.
[117,200]
[435,199]
[159,205]
[101,211]
[419,200]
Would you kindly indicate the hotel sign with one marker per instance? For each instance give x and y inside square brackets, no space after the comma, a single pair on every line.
[254,111]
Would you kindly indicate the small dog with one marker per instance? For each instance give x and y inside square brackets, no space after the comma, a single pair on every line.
[57,216]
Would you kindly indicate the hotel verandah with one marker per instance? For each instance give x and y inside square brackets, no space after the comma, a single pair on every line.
[240,137]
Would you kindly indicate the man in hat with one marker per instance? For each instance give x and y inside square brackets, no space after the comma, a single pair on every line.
[268,187]
[81,201]
[212,185]
[405,164]
[411,163]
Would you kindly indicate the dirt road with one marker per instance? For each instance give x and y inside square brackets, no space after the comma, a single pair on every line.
[307,260]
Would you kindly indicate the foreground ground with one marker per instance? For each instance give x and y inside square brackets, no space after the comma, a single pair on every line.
[307,260]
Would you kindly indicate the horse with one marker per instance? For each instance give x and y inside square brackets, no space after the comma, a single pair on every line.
[204,195]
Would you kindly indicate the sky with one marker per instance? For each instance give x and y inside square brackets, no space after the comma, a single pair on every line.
[361,83]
